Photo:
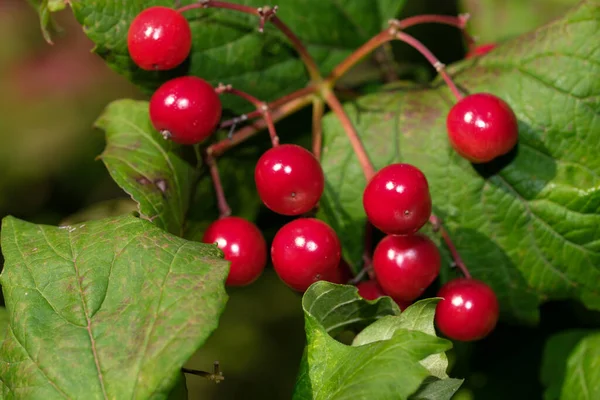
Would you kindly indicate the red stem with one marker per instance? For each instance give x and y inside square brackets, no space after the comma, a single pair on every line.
[439,66]
[351,133]
[224,209]
[265,14]
[360,53]
[281,108]
[317,126]
[261,106]
[437,226]
[459,22]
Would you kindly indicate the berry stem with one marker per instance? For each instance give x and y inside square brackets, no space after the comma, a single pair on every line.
[436,222]
[357,145]
[459,22]
[216,375]
[261,106]
[317,126]
[439,66]
[280,108]
[360,53]
[224,209]
[265,14]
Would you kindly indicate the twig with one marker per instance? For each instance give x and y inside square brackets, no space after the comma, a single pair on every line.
[215,376]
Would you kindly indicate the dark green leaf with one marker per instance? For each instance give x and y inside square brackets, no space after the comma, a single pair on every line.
[104,209]
[332,370]
[437,389]
[417,317]
[582,378]
[554,362]
[228,48]
[144,164]
[107,309]
[526,224]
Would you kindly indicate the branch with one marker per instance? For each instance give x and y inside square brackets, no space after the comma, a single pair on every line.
[216,376]
[265,14]
[436,222]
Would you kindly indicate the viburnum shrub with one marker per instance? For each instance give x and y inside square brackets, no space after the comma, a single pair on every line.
[479,188]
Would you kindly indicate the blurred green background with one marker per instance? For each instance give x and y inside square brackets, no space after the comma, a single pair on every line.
[49,99]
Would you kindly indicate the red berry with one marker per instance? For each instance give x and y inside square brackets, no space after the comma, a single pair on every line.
[370,290]
[469,310]
[397,199]
[185,110]
[341,275]
[482,127]
[481,50]
[159,38]
[406,265]
[304,251]
[289,179]
[243,245]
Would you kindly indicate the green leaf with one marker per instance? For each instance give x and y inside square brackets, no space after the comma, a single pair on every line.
[437,389]
[332,370]
[582,378]
[107,309]
[4,321]
[228,48]
[554,361]
[145,165]
[44,9]
[526,224]
[417,317]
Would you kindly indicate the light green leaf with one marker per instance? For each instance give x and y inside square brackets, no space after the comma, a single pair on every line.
[417,317]
[437,389]
[554,361]
[107,309]
[332,370]
[145,165]
[582,377]
[526,224]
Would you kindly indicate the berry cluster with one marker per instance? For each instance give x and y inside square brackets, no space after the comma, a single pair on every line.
[290,181]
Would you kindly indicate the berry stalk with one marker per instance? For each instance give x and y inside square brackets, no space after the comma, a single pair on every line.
[280,109]
[317,126]
[357,145]
[224,209]
[433,60]
[265,14]
[261,106]
[436,222]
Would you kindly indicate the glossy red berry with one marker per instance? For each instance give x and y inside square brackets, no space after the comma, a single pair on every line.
[482,127]
[185,110]
[469,310]
[242,244]
[370,290]
[289,179]
[406,265]
[397,199]
[304,251]
[159,38]
[481,50]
